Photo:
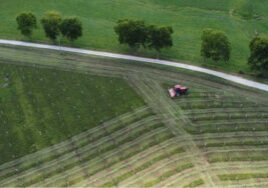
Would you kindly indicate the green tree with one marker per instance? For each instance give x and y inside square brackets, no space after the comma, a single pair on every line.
[159,37]
[215,45]
[51,22]
[26,23]
[131,32]
[71,28]
[258,59]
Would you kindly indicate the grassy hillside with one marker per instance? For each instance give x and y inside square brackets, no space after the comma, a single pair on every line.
[41,107]
[216,136]
[240,19]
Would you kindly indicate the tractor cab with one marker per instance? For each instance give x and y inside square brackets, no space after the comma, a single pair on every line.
[177,91]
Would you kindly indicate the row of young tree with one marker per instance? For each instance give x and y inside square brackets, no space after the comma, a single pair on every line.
[136,33]
[215,45]
[53,24]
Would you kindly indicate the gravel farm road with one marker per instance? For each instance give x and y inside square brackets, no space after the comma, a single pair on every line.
[225,76]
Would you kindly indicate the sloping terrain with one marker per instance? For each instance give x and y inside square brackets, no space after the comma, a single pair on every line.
[215,136]
[240,19]
[41,107]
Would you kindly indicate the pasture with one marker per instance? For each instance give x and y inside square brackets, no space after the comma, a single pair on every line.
[240,19]
[216,136]
[41,107]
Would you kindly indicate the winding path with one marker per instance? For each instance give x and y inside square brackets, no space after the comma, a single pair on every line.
[225,76]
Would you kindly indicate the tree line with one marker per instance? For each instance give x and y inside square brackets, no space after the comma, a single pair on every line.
[136,33]
[53,25]
[215,44]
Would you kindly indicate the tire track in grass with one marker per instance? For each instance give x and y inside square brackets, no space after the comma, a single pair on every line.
[131,160]
[118,179]
[179,142]
[61,146]
[149,89]
[168,174]
[82,161]
[188,156]
[147,145]
[214,168]
[88,148]
[237,177]
[193,148]
[170,108]
[225,150]
[135,124]
[195,183]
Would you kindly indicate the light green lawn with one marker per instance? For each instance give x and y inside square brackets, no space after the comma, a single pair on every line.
[41,107]
[240,19]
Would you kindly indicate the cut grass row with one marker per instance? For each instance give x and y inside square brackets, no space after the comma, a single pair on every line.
[225,110]
[93,147]
[93,155]
[226,129]
[127,155]
[70,171]
[238,158]
[140,155]
[116,180]
[216,104]
[237,177]
[195,183]
[79,142]
[228,116]
[76,142]
[168,174]
[244,143]
[123,176]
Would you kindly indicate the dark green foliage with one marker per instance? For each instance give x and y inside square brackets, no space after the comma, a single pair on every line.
[136,33]
[258,59]
[215,45]
[26,23]
[51,24]
[159,37]
[131,32]
[71,28]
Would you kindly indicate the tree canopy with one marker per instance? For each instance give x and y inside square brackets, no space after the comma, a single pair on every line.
[215,45]
[131,32]
[26,23]
[160,37]
[51,22]
[71,28]
[258,59]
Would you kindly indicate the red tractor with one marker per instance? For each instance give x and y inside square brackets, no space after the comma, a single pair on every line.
[177,91]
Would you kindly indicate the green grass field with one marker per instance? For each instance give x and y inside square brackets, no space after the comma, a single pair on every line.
[42,107]
[240,19]
[214,137]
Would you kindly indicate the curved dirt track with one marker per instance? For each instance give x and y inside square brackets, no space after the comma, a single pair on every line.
[225,76]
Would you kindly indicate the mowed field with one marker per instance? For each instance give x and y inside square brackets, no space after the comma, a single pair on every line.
[240,19]
[216,136]
[41,107]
